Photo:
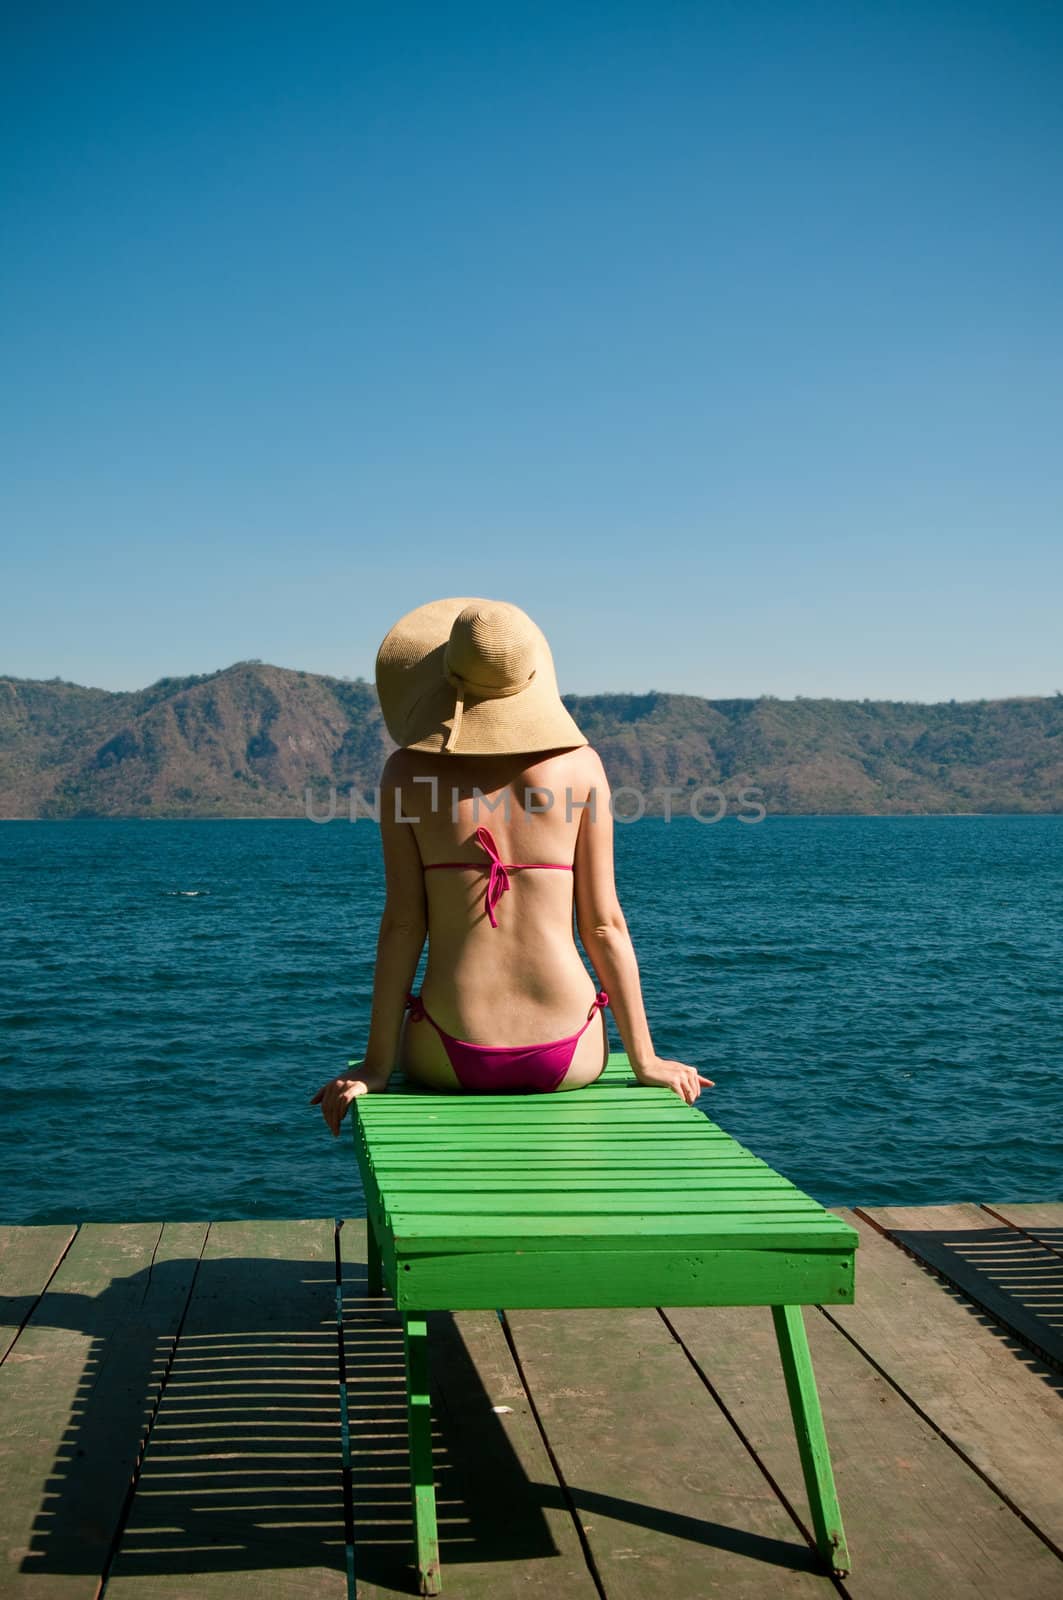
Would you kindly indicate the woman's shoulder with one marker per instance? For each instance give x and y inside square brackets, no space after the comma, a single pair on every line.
[585,764]
[580,758]
[578,769]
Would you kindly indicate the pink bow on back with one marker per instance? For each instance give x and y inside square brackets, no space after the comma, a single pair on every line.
[498,882]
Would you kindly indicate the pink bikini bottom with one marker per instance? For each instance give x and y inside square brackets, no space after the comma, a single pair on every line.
[507,1069]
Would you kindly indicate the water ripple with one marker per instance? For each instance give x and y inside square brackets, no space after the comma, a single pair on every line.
[877,999]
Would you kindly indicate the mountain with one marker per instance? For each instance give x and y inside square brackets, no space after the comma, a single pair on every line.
[252,739]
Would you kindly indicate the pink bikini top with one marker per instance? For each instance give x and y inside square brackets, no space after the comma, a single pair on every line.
[498,882]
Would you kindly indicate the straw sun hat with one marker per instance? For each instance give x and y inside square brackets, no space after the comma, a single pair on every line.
[471,677]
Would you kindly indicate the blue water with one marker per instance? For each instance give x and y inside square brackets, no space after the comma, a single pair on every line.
[877,998]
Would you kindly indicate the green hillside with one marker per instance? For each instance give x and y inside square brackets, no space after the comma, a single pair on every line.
[250,740]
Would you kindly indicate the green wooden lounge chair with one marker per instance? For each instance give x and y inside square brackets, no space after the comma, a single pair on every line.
[612,1195]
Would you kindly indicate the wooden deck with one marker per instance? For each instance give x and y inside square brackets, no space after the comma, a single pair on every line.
[172,1399]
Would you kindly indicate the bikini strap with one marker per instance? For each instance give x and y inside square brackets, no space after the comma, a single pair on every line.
[415,1006]
[601,999]
[498,881]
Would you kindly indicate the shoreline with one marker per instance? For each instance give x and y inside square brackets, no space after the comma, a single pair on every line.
[784,816]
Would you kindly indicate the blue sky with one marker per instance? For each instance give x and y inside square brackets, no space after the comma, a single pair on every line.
[724,338]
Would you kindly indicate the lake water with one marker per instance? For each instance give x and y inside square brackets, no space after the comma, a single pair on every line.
[877,998]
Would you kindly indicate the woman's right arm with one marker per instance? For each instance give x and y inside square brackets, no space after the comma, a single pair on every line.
[604,935]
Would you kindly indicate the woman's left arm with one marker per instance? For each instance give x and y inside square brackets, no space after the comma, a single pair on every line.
[403,929]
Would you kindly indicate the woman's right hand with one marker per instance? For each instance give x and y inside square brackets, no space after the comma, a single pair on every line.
[336,1095]
[685,1080]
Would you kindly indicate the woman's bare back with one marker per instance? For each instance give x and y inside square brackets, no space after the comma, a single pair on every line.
[524,981]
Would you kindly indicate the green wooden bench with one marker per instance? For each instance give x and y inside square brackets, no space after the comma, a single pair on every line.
[612,1195]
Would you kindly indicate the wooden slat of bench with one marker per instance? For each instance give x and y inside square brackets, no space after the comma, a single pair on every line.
[430,1124]
[585,1102]
[542,1149]
[618,1178]
[706,1149]
[581,1105]
[577,1276]
[575,1203]
[421,1232]
[552,1175]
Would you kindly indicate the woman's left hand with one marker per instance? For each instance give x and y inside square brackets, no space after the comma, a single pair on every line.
[336,1095]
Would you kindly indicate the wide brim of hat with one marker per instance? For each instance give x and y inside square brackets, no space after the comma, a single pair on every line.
[417,701]
[534,720]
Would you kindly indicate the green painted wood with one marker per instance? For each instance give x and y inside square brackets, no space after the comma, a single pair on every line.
[619,1123]
[505,1532]
[459,1145]
[419,1233]
[636,1111]
[78,1392]
[28,1258]
[241,1494]
[573,1203]
[811,1437]
[643,1277]
[616,1180]
[374,1281]
[458,1226]
[419,1421]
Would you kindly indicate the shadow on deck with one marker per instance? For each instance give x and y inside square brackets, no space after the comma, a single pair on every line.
[173,1423]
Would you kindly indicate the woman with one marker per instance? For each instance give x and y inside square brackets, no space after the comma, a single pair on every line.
[495,825]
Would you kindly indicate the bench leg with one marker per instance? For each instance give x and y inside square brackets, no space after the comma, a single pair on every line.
[374,1284]
[811,1438]
[419,1414]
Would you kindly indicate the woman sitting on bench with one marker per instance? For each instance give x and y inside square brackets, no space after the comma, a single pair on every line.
[469,693]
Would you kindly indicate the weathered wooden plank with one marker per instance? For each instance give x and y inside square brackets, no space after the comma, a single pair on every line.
[671,1502]
[241,1490]
[503,1523]
[28,1257]
[993,1399]
[77,1394]
[919,1521]
[1043,1219]
[1012,1277]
